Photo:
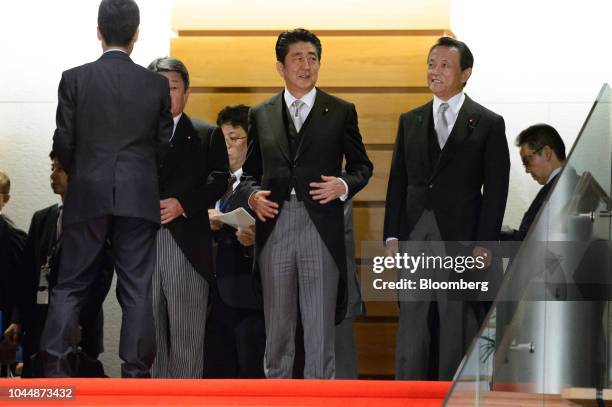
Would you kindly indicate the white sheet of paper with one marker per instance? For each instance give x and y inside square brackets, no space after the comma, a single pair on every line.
[237,218]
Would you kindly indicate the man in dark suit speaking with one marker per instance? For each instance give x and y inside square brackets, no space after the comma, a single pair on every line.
[448,182]
[112,118]
[297,141]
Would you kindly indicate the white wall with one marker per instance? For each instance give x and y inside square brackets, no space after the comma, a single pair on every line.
[40,39]
[536,61]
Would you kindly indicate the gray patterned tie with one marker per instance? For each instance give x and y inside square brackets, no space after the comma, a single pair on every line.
[442,125]
[297,117]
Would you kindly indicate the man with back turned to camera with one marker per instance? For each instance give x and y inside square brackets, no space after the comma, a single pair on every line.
[448,182]
[113,121]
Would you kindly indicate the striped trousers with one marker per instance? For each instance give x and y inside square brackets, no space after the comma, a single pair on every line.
[296,264]
[180,299]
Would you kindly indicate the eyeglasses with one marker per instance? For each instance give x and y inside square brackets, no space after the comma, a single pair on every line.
[527,159]
[235,138]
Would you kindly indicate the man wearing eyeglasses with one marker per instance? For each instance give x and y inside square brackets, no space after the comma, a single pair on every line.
[235,330]
[543,154]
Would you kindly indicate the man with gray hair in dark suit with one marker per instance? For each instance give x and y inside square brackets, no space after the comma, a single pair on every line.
[192,176]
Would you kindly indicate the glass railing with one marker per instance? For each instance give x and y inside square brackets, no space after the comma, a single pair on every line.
[549,327]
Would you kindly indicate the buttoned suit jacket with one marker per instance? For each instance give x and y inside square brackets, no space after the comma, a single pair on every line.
[236,284]
[329,134]
[113,120]
[466,189]
[195,172]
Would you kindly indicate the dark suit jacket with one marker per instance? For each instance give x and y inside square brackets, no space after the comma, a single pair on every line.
[533,210]
[12,242]
[475,157]
[195,172]
[39,245]
[236,283]
[329,134]
[113,116]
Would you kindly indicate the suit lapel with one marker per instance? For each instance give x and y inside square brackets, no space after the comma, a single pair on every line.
[183,135]
[467,119]
[424,123]
[276,121]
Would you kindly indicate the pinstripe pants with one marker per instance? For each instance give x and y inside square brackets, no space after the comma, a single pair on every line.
[180,299]
[296,264]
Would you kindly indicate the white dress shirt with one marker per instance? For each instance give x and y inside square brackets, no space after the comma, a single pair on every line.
[175,119]
[553,174]
[454,105]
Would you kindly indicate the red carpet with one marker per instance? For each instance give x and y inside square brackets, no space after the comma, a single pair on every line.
[268,393]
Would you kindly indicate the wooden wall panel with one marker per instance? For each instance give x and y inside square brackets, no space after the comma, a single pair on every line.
[382,308]
[376,190]
[376,349]
[393,61]
[315,14]
[368,226]
[205,106]
[378,113]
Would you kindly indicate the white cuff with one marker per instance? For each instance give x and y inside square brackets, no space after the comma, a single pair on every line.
[249,200]
[344,196]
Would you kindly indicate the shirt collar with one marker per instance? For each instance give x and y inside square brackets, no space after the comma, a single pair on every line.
[114,49]
[553,174]
[238,173]
[454,103]
[308,98]
[176,119]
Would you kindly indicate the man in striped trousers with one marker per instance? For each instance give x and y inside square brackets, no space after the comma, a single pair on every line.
[192,177]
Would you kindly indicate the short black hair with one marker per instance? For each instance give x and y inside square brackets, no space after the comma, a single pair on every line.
[234,115]
[118,21]
[5,183]
[169,64]
[286,38]
[466,59]
[540,135]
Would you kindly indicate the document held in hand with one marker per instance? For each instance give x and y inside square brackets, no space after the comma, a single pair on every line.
[238,218]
